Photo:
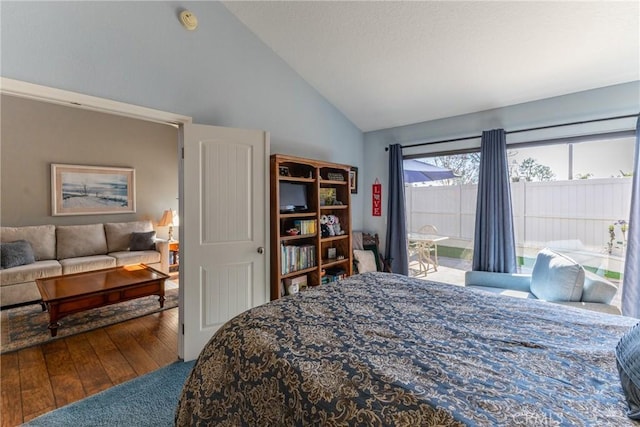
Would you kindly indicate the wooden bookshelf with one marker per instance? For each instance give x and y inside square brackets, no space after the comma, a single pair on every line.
[318,178]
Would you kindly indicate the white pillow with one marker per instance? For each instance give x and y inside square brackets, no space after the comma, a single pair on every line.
[556,277]
[366,261]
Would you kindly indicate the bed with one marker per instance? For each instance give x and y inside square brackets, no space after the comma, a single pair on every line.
[381,349]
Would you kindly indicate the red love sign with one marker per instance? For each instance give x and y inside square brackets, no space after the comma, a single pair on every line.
[377,198]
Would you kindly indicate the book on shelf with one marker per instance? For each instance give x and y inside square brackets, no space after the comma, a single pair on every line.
[305,226]
[297,257]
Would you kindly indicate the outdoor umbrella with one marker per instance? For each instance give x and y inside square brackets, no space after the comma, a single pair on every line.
[419,171]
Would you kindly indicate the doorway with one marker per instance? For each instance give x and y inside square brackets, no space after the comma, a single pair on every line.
[258,274]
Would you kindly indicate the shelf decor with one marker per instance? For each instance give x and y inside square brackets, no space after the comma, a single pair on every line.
[333,176]
[92,190]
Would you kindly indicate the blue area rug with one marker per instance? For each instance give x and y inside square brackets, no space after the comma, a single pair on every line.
[149,400]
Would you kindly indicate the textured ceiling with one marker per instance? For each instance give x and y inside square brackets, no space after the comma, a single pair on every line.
[385,64]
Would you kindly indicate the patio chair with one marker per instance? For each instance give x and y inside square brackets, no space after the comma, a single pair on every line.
[427,249]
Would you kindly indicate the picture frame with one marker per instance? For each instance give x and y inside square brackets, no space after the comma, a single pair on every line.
[353,180]
[92,190]
[283,170]
[327,196]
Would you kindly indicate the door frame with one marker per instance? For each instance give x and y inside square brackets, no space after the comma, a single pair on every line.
[37,92]
[87,102]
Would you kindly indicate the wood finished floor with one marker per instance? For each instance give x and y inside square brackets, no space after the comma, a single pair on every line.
[39,379]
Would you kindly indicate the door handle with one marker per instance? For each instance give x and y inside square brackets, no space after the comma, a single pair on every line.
[260,250]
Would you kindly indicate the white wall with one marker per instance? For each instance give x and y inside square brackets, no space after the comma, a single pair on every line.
[610,101]
[138,52]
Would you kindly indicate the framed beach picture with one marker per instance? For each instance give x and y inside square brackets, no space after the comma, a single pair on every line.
[92,190]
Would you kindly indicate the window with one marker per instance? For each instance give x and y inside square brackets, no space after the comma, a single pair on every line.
[572,197]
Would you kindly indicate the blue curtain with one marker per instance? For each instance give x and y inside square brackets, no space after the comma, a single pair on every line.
[494,247]
[396,247]
[631,284]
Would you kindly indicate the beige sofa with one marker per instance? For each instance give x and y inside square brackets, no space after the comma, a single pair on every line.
[66,249]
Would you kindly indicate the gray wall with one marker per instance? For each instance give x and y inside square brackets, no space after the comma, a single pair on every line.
[138,52]
[610,101]
[35,134]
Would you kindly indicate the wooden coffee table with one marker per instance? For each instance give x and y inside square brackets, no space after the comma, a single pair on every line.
[72,293]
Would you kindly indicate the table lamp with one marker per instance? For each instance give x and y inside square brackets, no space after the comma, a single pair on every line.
[169,218]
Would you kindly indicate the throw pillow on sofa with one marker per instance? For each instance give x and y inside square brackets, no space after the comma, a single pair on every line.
[119,233]
[628,362]
[556,277]
[145,241]
[41,237]
[14,254]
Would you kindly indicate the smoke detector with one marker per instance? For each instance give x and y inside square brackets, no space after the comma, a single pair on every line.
[188,20]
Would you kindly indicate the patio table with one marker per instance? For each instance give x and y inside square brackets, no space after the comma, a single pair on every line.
[425,244]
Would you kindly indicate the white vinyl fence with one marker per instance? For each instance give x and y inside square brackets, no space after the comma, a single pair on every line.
[571,216]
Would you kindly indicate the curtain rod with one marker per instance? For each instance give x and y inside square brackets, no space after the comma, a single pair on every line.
[518,130]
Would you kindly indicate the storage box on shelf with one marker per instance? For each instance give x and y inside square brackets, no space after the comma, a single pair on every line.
[310,220]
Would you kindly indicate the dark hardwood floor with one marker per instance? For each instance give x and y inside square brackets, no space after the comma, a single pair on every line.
[42,378]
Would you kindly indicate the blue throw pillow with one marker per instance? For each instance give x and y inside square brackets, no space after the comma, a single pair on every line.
[556,277]
[628,361]
[13,254]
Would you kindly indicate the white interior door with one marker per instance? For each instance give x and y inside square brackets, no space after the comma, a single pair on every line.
[224,229]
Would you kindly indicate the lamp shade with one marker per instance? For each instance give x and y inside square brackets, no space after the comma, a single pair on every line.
[169,217]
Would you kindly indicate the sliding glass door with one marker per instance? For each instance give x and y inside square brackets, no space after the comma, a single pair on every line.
[572,197]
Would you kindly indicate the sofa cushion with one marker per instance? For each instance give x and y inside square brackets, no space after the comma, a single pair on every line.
[597,289]
[80,240]
[19,293]
[556,277]
[119,233]
[145,241]
[512,281]
[30,272]
[41,237]
[13,254]
[86,263]
[628,363]
[136,257]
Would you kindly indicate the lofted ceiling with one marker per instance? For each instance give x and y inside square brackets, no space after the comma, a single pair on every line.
[392,63]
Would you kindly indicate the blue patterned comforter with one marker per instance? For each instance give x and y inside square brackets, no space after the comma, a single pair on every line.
[380,349]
